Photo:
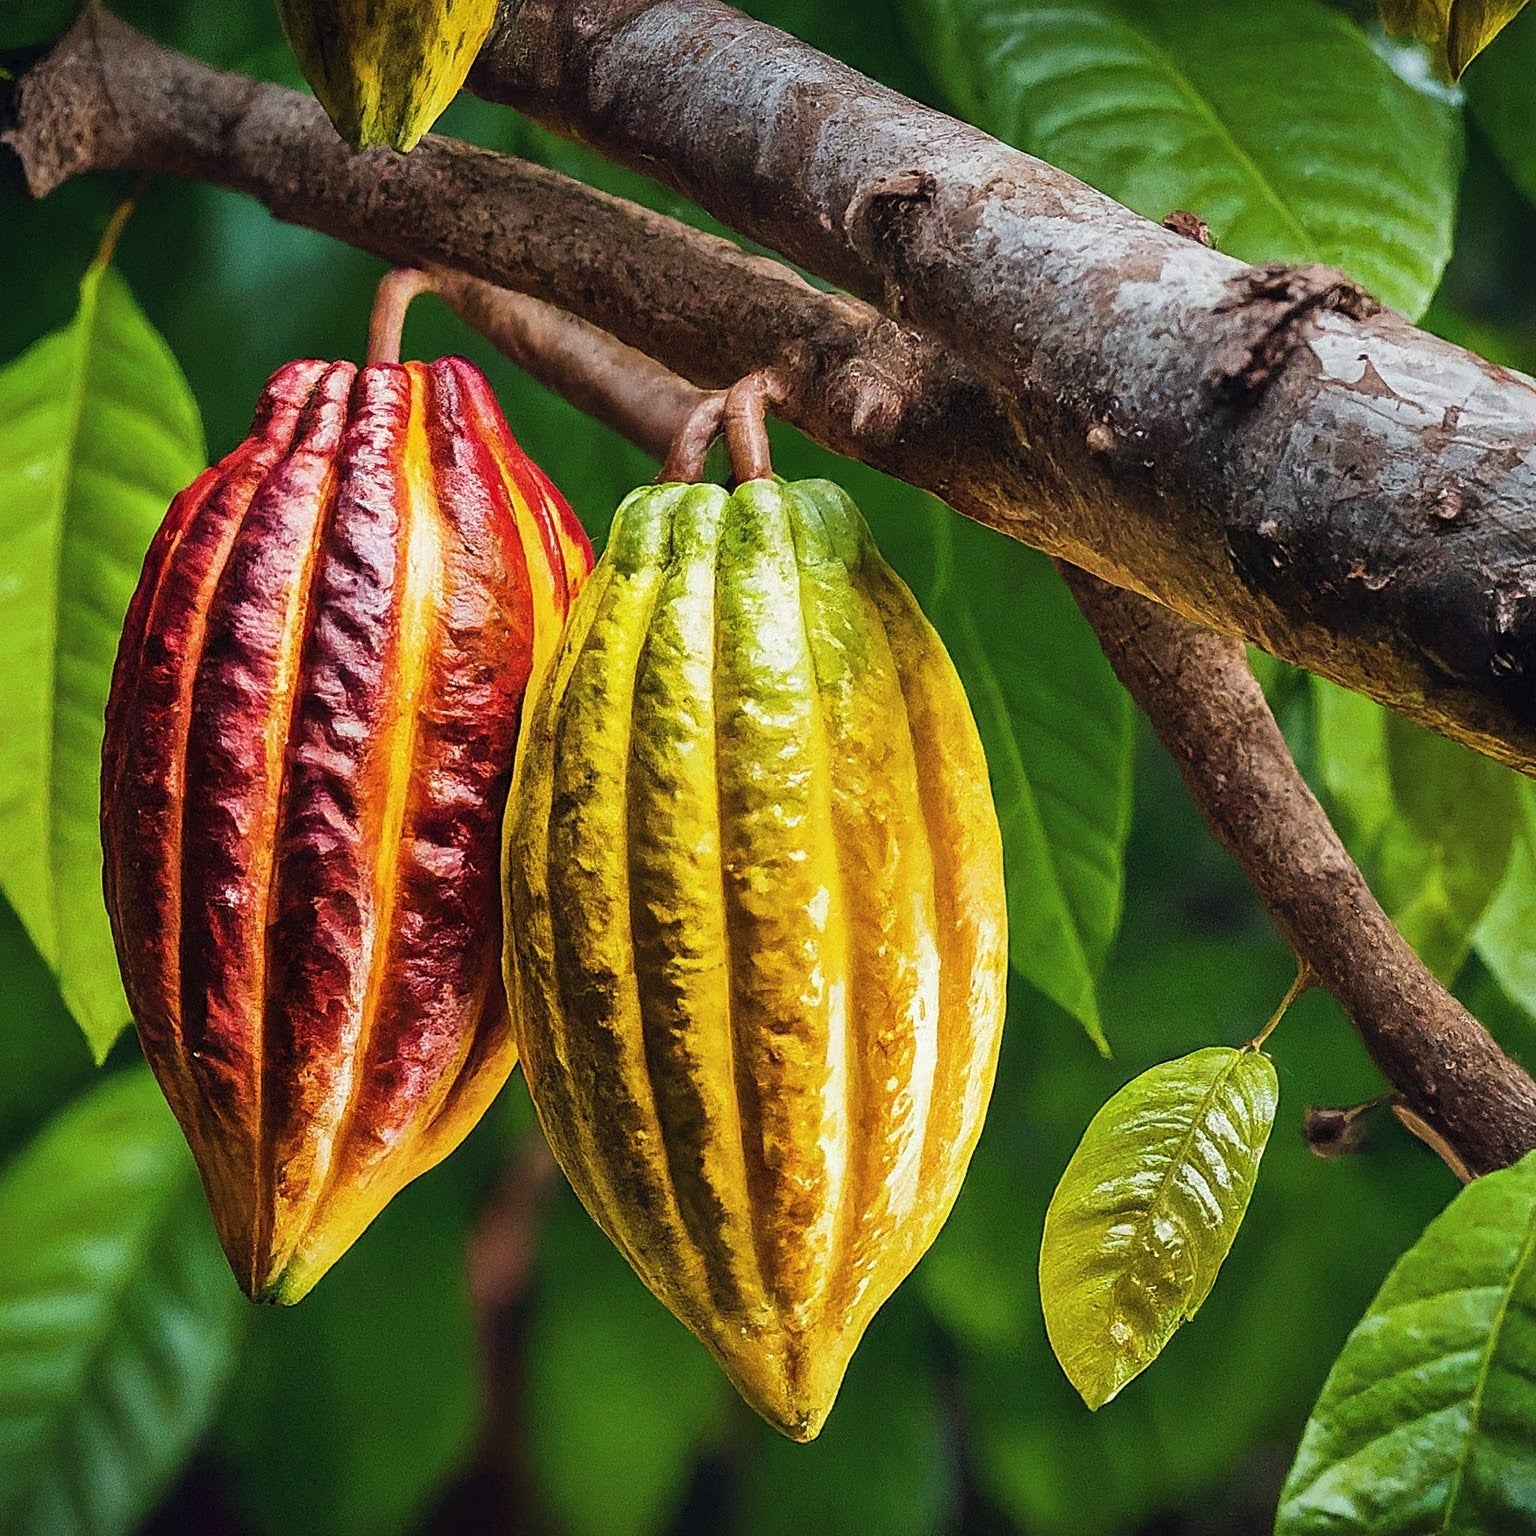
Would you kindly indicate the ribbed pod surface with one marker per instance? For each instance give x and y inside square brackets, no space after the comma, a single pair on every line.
[384,70]
[756,944]
[308,749]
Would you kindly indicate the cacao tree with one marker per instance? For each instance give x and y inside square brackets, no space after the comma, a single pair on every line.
[1114,624]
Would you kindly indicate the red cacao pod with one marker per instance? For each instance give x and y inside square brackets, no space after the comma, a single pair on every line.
[308,747]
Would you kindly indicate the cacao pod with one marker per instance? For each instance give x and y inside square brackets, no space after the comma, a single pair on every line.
[384,70]
[309,743]
[756,932]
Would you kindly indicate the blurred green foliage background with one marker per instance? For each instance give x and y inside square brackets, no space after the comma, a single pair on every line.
[388,1403]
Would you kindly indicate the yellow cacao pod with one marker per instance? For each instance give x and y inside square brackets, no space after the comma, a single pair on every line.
[756,931]
[384,70]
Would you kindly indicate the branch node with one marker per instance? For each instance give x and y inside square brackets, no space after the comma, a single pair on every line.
[1271,305]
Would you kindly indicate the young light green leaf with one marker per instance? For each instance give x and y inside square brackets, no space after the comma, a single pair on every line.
[1427,1421]
[119,1319]
[1459,29]
[1148,1209]
[1503,103]
[97,433]
[1058,732]
[1432,823]
[1277,124]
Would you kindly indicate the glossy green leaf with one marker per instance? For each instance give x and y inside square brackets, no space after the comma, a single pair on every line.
[1432,823]
[119,1319]
[1427,1422]
[1458,29]
[611,1374]
[1503,103]
[1148,1209]
[1276,123]
[43,1058]
[1057,729]
[97,433]
[388,1357]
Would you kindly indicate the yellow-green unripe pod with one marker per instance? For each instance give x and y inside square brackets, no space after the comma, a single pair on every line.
[756,936]
[384,70]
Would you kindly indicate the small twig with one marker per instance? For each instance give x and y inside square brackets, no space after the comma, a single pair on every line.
[1304,979]
[1340,1132]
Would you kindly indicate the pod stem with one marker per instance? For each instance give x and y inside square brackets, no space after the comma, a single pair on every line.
[740,413]
[690,448]
[746,424]
[391,299]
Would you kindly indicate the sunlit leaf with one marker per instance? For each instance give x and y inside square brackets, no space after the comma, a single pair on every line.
[1148,1209]
[1460,29]
[1427,1421]
[119,1319]
[1506,936]
[1432,823]
[1277,123]
[97,433]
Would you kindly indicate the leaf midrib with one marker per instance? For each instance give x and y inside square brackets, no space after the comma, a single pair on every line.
[1480,1386]
[1182,1153]
[1203,108]
[100,1337]
[84,327]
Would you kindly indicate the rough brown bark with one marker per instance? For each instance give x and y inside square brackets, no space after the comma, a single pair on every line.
[1254,447]
[1211,714]
[1351,494]
[856,381]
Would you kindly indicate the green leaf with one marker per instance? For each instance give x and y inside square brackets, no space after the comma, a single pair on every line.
[882,1464]
[611,1374]
[97,434]
[1275,123]
[1427,1421]
[1503,103]
[1504,936]
[1058,732]
[353,1410]
[1459,29]
[1432,823]
[1148,1209]
[43,1058]
[119,1320]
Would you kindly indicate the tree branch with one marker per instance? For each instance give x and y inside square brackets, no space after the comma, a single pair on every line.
[1211,714]
[1253,447]
[1355,496]
[857,382]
